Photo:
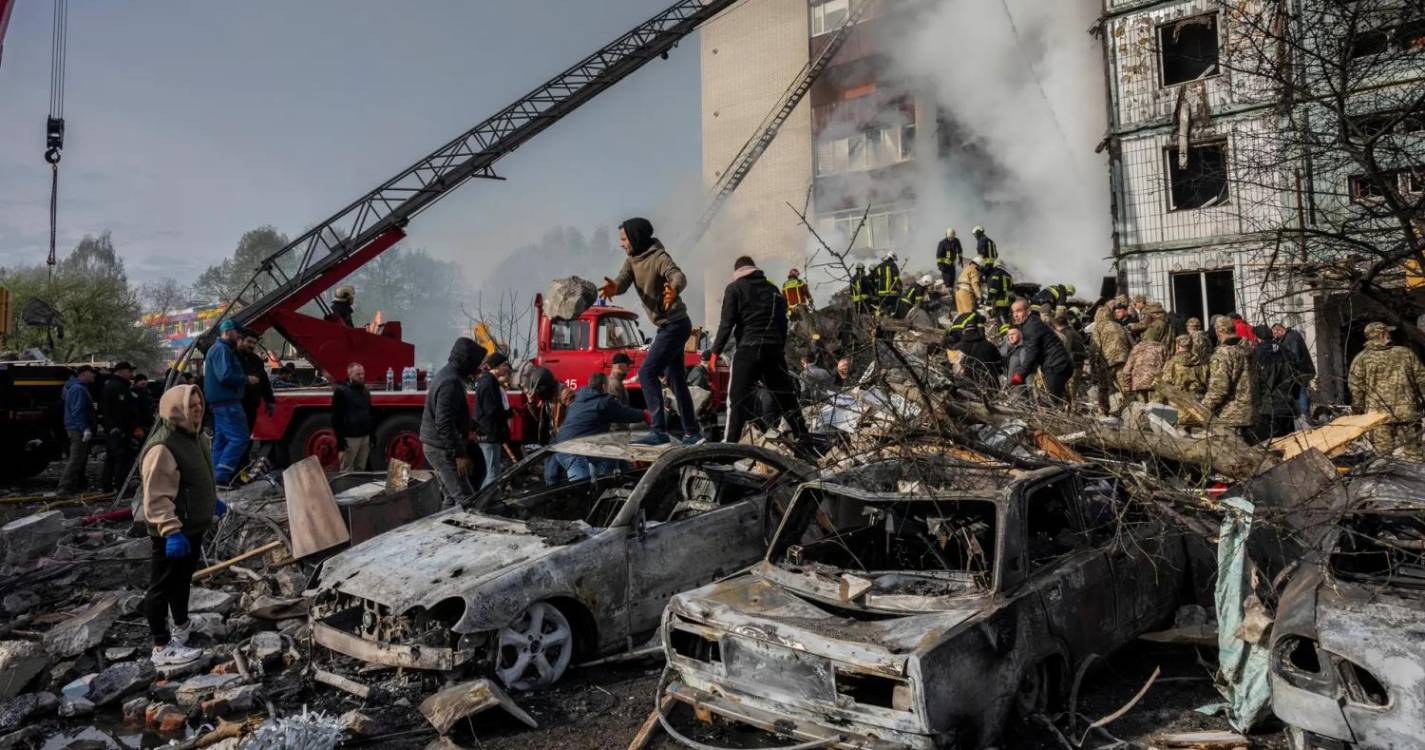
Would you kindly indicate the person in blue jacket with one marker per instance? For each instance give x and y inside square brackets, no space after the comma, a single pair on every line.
[593,412]
[224,383]
[79,425]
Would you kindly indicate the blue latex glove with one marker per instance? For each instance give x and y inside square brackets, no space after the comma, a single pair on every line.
[176,546]
[222,509]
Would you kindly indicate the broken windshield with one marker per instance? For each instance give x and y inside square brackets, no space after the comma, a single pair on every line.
[923,547]
[528,492]
[1384,548]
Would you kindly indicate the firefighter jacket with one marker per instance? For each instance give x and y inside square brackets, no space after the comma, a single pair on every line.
[1054,294]
[796,292]
[948,254]
[999,287]
[986,247]
[915,294]
[861,286]
[888,278]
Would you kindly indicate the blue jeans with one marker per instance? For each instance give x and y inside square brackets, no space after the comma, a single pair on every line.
[230,439]
[494,454]
[665,358]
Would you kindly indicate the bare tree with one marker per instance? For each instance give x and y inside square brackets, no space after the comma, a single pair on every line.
[165,295]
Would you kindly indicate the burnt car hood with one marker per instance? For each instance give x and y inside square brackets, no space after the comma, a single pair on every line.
[754,607]
[440,557]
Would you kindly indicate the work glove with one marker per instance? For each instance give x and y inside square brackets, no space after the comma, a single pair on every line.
[221,510]
[176,546]
[1016,379]
[670,295]
[609,290]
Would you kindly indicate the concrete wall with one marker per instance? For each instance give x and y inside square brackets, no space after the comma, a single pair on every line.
[750,55]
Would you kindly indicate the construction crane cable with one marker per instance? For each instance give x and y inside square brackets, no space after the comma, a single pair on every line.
[54,123]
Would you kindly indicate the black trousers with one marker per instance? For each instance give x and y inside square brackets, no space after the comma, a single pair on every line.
[1056,384]
[118,456]
[169,581]
[766,364]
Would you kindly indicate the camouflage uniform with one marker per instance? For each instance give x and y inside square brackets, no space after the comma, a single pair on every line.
[1187,372]
[1141,370]
[1231,394]
[1390,379]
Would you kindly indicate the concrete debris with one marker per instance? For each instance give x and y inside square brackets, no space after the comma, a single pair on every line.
[84,630]
[31,537]
[181,671]
[20,662]
[357,724]
[267,650]
[71,707]
[20,602]
[120,681]
[447,707]
[133,711]
[195,690]
[119,653]
[233,700]
[568,298]
[211,600]
[23,708]
[78,688]
[165,718]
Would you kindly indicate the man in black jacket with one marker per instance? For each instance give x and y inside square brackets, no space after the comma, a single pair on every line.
[1044,352]
[117,418]
[492,415]
[259,388]
[754,311]
[980,359]
[445,421]
[352,419]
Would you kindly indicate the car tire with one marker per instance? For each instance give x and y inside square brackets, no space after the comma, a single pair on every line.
[314,436]
[398,436]
[535,649]
[1034,692]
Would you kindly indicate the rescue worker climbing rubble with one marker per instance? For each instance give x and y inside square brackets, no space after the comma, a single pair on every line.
[862,289]
[984,246]
[967,287]
[796,291]
[1054,294]
[998,289]
[949,255]
[1389,379]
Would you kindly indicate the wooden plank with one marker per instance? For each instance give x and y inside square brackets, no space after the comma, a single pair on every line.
[312,513]
[650,724]
[1331,438]
[248,555]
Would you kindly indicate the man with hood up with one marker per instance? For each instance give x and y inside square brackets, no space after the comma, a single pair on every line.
[180,501]
[756,313]
[650,270]
[445,421]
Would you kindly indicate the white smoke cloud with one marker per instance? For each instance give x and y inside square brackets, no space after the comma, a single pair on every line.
[1023,83]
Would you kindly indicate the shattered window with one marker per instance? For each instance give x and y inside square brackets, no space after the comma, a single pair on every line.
[1199,179]
[703,486]
[1387,549]
[1188,49]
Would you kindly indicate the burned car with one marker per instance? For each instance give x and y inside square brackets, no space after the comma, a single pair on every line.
[1348,647]
[918,604]
[545,573]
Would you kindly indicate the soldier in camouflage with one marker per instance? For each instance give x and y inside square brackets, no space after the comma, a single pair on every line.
[1231,395]
[1186,371]
[1144,364]
[1389,379]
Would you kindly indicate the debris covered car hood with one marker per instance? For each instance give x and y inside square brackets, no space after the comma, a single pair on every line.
[441,557]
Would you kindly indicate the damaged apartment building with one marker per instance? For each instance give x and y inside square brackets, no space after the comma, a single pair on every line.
[1234,189]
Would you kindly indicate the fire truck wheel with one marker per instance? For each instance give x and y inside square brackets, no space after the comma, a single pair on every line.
[314,437]
[398,436]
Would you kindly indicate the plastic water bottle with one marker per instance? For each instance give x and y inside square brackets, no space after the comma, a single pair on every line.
[390,379]
[408,379]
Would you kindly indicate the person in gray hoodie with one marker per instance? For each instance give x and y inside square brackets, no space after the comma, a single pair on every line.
[651,272]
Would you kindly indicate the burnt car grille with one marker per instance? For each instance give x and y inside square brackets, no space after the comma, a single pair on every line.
[374,621]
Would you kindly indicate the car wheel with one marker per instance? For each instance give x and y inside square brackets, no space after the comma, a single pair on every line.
[1032,695]
[534,650]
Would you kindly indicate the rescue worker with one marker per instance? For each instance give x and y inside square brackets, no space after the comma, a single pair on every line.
[919,291]
[888,284]
[999,289]
[1054,294]
[949,256]
[967,287]
[1389,379]
[862,289]
[618,372]
[224,385]
[754,312]
[650,270]
[1145,363]
[1109,347]
[343,301]
[1044,353]
[962,321]
[1231,396]
[180,503]
[796,291]
[445,421]
[79,426]
[980,360]
[118,418]
[984,246]
[1186,371]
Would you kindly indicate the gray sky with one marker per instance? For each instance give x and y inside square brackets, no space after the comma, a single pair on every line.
[191,122]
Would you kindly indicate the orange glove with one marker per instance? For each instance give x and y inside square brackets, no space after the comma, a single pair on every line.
[609,289]
[669,296]
[1017,379]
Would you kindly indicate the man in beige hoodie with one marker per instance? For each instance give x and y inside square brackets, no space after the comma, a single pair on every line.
[180,501]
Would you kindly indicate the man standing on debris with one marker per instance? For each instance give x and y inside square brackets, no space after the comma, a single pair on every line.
[118,418]
[984,246]
[1044,353]
[1145,363]
[980,360]
[658,281]
[224,385]
[888,284]
[258,392]
[967,287]
[180,501]
[1231,396]
[1186,371]
[796,291]
[863,287]
[445,421]
[79,425]
[1389,379]
[999,289]
[1294,346]
[754,312]
[352,419]
[492,415]
[949,255]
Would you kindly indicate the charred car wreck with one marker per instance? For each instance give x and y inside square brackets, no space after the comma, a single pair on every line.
[547,573]
[1348,649]
[922,603]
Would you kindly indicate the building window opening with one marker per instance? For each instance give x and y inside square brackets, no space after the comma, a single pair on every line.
[1188,49]
[1203,294]
[1200,180]
[829,16]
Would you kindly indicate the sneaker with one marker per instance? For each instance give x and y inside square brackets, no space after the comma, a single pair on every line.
[694,439]
[653,438]
[174,654]
[181,633]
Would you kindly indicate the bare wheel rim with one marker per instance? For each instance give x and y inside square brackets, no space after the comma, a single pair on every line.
[535,649]
[1032,696]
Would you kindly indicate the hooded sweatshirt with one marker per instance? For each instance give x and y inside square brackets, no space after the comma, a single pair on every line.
[445,419]
[648,268]
[753,311]
[179,490]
